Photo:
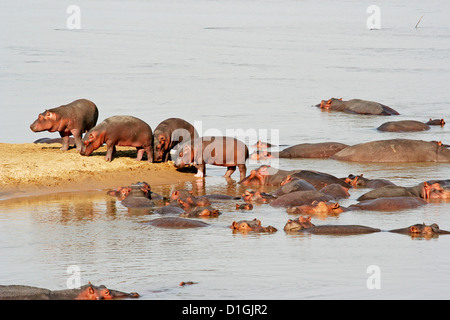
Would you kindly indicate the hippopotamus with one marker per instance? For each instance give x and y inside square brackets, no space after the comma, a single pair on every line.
[220,151]
[357,106]
[54,140]
[137,195]
[304,150]
[389,204]
[291,184]
[317,208]
[336,191]
[298,198]
[191,202]
[261,145]
[395,150]
[86,292]
[257,196]
[120,131]
[421,230]
[269,176]
[177,223]
[244,206]
[74,119]
[360,181]
[433,191]
[303,225]
[166,210]
[403,126]
[201,212]
[418,191]
[251,225]
[168,134]
[435,122]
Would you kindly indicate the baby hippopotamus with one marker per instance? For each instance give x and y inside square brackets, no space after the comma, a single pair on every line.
[120,131]
[74,119]
[220,151]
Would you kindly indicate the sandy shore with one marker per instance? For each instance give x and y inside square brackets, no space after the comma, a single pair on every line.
[29,168]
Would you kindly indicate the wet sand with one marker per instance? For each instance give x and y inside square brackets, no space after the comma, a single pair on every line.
[29,169]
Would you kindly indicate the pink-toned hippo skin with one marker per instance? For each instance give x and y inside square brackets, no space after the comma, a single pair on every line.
[74,119]
[119,131]
[395,150]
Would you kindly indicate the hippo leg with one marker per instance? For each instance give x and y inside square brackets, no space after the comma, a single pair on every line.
[242,170]
[201,171]
[77,138]
[230,171]
[140,153]
[65,141]
[149,152]
[110,152]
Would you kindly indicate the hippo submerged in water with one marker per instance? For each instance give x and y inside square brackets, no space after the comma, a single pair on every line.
[86,292]
[74,119]
[356,106]
[304,150]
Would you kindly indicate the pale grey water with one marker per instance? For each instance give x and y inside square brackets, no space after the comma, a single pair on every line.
[231,65]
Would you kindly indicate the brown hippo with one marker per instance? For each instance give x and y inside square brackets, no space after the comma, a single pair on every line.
[421,230]
[168,134]
[395,150]
[395,191]
[388,204]
[304,226]
[435,191]
[291,184]
[220,151]
[269,176]
[336,191]
[436,122]
[54,140]
[167,210]
[298,198]
[257,196]
[319,208]
[360,181]
[137,195]
[74,119]
[177,223]
[403,126]
[201,212]
[86,292]
[120,131]
[304,150]
[253,225]
[357,106]
[244,206]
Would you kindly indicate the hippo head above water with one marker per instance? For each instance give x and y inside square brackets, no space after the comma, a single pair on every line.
[327,104]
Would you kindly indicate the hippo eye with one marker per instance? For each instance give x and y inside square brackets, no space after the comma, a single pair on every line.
[181,154]
[329,101]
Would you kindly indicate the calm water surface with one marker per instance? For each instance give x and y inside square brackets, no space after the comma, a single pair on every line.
[232,65]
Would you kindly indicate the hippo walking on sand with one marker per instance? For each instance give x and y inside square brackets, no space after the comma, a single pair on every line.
[74,119]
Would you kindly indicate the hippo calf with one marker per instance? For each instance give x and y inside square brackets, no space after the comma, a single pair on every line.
[119,131]
[74,119]
[168,134]
[220,151]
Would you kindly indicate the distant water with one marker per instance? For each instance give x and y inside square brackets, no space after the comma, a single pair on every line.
[228,65]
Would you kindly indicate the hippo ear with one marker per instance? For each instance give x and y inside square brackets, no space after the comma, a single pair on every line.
[340,99]
[234,225]
[50,115]
[414,229]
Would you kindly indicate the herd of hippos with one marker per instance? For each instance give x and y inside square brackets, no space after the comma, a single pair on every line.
[301,192]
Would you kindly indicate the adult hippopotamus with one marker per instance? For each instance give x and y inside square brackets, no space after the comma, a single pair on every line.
[177,223]
[137,195]
[74,119]
[168,134]
[119,131]
[434,191]
[304,150]
[220,151]
[291,184]
[299,198]
[303,225]
[395,150]
[269,176]
[421,230]
[394,191]
[320,208]
[363,182]
[201,212]
[403,126]
[389,204]
[86,292]
[244,206]
[257,196]
[357,106]
[435,122]
[251,225]
[336,191]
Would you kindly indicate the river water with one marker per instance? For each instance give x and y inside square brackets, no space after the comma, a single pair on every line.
[228,65]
